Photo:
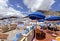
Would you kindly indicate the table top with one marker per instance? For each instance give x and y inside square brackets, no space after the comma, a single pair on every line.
[3,36]
[49,37]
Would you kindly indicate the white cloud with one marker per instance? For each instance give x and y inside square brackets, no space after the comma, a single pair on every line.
[5,11]
[18,6]
[34,4]
[46,5]
[3,7]
[13,12]
[39,4]
[3,2]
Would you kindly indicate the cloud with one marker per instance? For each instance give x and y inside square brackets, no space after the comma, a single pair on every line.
[46,5]
[3,7]
[3,2]
[13,12]
[39,4]
[6,11]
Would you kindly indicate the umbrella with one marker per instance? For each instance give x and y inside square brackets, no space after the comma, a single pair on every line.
[36,16]
[53,18]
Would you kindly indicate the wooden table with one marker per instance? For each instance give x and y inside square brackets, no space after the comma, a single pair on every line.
[49,37]
[3,37]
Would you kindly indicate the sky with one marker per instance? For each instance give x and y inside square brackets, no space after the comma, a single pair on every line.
[17,7]
[56,6]
[11,8]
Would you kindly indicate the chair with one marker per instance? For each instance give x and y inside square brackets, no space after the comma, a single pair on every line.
[40,34]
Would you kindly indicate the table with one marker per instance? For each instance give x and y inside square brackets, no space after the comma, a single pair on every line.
[3,36]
